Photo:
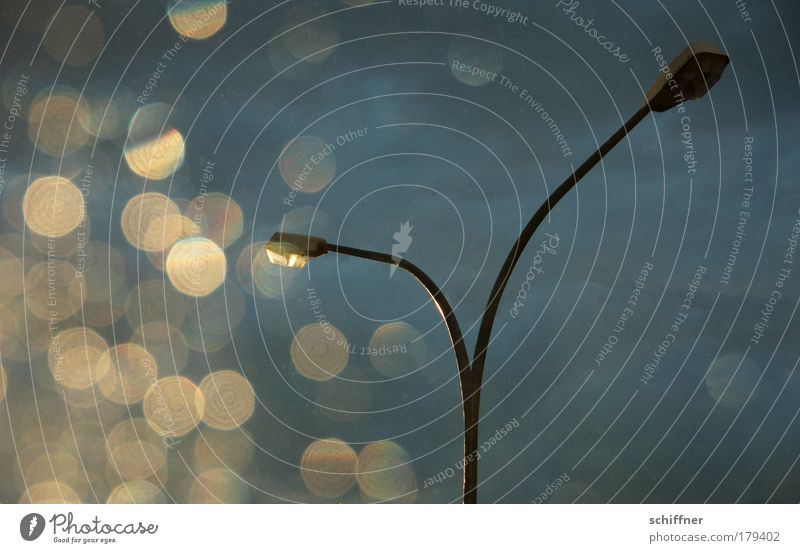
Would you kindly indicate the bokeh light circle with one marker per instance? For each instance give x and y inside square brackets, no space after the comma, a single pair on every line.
[198,19]
[328,468]
[307,164]
[397,349]
[319,352]
[129,371]
[385,472]
[229,399]
[53,206]
[151,222]
[74,357]
[173,406]
[196,266]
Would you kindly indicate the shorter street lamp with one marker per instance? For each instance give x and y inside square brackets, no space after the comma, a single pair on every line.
[295,251]
[688,77]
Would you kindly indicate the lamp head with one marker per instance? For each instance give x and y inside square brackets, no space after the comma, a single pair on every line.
[692,74]
[294,250]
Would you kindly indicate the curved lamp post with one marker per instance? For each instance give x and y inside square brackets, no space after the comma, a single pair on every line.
[688,77]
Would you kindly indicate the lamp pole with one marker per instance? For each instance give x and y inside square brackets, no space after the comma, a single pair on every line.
[490,312]
[470,483]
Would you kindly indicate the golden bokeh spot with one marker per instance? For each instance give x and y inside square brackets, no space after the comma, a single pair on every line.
[173,406]
[154,149]
[218,485]
[53,207]
[397,349]
[75,36]
[218,217]
[328,468]
[385,472]
[319,352]
[136,492]
[134,451]
[218,448]
[152,222]
[50,492]
[229,398]
[198,19]
[74,357]
[129,371]
[158,158]
[307,164]
[54,126]
[196,266]
[188,229]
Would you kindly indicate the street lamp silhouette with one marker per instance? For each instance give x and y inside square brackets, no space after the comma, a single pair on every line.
[688,77]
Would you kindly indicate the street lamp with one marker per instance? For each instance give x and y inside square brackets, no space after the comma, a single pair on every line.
[694,71]
[688,77]
[295,251]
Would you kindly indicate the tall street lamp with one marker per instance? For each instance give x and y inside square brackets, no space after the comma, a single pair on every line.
[688,77]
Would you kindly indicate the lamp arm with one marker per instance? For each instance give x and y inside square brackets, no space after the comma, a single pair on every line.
[468,395]
[489,314]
